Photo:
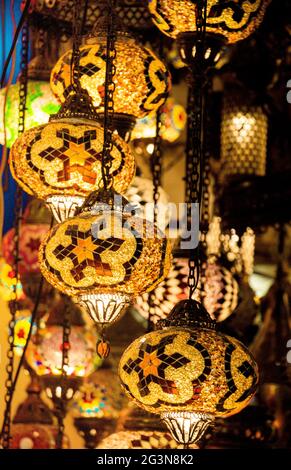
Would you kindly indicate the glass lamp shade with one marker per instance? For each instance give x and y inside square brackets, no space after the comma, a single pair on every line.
[97,405]
[141,81]
[188,377]
[44,353]
[8,282]
[98,400]
[232,20]
[219,295]
[140,193]
[173,121]
[103,259]
[139,440]
[244,131]
[61,162]
[40,104]
[32,436]
[30,239]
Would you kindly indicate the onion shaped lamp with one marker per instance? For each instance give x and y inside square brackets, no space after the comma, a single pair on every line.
[141,81]
[61,162]
[104,257]
[226,22]
[188,373]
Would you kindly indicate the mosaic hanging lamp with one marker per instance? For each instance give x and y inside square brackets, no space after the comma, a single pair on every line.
[61,162]
[188,373]
[244,132]
[141,80]
[97,405]
[40,105]
[225,23]
[33,426]
[45,352]
[104,257]
[220,291]
[40,102]
[35,224]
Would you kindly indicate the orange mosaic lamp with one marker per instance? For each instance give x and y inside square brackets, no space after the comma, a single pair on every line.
[141,80]
[226,22]
[104,256]
[232,20]
[61,162]
[188,373]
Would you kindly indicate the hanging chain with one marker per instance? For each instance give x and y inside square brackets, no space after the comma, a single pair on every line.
[205,212]
[194,147]
[156,167]
[61,404]
[9,383]
[109,96]
[75,61]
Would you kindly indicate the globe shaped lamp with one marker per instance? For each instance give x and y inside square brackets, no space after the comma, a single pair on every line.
[45,352]
[225,23]
[30,238]
[219,293]
[188,373]
[61,162]
[97,406]
[141,80]
[40,104]
[104,256]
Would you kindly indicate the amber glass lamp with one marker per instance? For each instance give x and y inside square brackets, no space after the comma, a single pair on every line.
[188,373]
[45,351]
[220,291]
[226,22]
[61,162]
[141,80]
[97,405]
[33,426]
[244,132]
[104,256]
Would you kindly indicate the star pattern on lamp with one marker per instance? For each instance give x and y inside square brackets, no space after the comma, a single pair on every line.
[77,156]
[86,250]
[151,364]
[33,244]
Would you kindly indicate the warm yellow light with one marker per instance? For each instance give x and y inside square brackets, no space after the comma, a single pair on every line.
[61,163]
[104,259]
[141,80]
[243,139]
[233,20]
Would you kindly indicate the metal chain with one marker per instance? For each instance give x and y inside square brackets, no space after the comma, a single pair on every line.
[75,61]
[9,383]
[156,167]
[109,96]
[61,405]
[194,147]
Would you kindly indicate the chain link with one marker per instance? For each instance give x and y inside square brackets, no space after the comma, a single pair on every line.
[61,405]
[156,168]
[13,305]
[109,96]
[194,147]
